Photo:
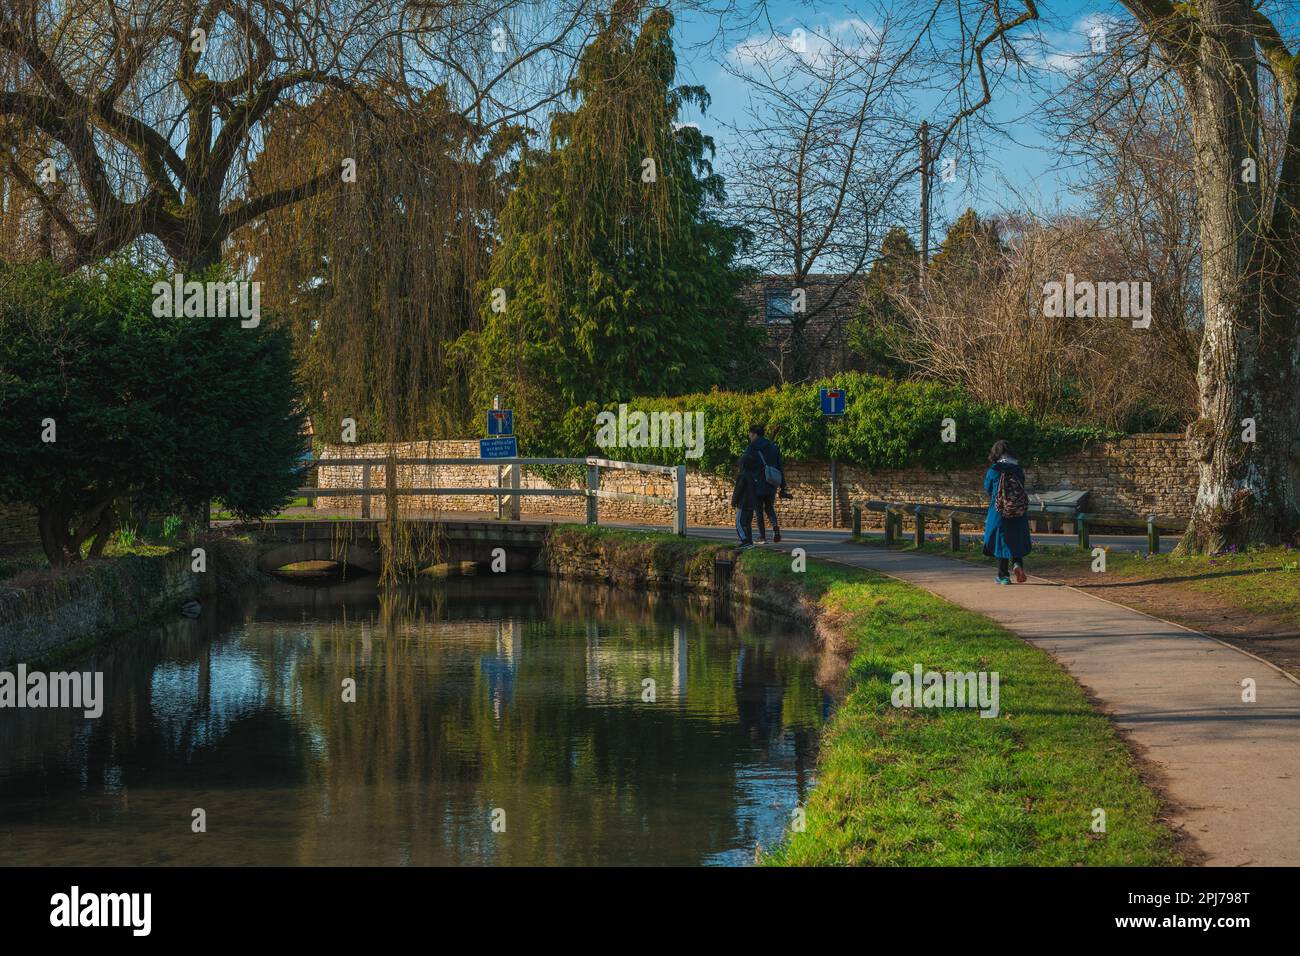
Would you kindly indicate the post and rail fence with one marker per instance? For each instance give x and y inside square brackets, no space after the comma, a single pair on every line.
[513,491]
[957,515]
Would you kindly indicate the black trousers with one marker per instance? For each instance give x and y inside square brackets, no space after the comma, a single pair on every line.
[767,503]
[1004,569]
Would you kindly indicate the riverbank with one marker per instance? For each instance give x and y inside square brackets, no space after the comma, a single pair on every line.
[51,615]
[931,785]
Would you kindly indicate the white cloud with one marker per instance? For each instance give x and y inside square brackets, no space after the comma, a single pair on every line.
[1068,50]
[814,43]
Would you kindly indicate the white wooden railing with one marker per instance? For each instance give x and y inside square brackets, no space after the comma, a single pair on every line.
[508,483]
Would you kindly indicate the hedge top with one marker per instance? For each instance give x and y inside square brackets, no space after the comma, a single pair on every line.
[887,425]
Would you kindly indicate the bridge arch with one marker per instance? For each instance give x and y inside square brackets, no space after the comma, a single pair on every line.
[361,555]
[359,543]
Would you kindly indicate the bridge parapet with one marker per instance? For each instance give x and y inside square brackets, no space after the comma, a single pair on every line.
[359,543]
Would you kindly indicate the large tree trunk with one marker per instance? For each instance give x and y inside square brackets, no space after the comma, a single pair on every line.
[63,529]
[1249,353]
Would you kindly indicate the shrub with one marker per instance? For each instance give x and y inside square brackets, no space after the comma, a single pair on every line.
[174,410]
[887,425]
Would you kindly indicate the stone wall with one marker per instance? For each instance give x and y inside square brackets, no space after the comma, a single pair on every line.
[45,613]
[18,525]
[1132,477]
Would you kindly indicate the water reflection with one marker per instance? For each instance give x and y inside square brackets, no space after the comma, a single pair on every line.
[610,729]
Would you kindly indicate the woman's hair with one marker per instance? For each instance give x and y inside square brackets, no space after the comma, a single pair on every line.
[1001,449]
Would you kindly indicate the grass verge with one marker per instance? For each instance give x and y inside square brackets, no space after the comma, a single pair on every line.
[945,787]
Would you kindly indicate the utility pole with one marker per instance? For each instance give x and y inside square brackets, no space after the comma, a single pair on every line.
[925,197]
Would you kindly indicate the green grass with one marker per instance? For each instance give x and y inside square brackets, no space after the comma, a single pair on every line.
[1262,581]
[21,562]
[142,549]
[34,560]
[946,787]
[219,512]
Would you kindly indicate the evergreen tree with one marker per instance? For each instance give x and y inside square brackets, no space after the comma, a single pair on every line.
[615,278]
[968,249]
[103,401]
[875,331]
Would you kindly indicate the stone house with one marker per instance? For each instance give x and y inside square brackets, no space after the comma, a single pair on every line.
[828,301]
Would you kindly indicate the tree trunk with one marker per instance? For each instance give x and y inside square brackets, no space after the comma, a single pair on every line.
[799,354]
[52,521]
[1248,354]
[61,540]
[106,525]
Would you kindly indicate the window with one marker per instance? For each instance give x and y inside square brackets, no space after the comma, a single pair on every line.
[779,306]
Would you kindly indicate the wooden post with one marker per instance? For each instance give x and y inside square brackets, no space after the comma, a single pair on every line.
[514,499]
[679,511]
[954,532]
[1081,520]
[834,489]
[889,527]
[593,485]
[1153,535]
[918,538]
[857,521]
[365,490]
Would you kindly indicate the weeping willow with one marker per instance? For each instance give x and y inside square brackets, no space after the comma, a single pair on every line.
[376,276]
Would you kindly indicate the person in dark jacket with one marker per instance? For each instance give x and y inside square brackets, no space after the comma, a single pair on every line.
[1005,538]
[766,454]
[744,498]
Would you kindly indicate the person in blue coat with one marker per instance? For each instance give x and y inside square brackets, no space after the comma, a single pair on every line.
[1005,538]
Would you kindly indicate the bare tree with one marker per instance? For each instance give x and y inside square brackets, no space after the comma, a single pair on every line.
[1238,77]
[981,325]
[1136,163]
[818,166]
[154,107]
[1236,64]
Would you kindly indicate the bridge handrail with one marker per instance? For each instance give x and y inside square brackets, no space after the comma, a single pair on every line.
[632,466]
[592,492]
[406,462]
[309,491]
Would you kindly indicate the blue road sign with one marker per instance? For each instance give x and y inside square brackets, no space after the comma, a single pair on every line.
[501,422]
[833,401]
[498,448]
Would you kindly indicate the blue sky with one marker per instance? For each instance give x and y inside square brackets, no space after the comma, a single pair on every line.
[1019,170]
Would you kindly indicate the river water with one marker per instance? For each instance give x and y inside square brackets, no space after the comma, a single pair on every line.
[497,720]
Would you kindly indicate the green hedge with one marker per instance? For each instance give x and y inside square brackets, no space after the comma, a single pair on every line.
[887,425]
